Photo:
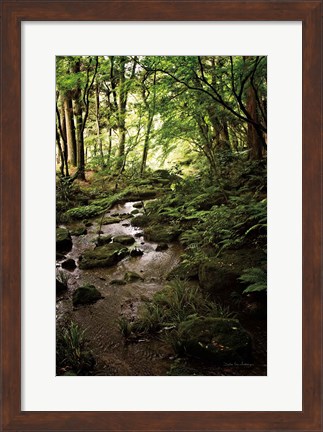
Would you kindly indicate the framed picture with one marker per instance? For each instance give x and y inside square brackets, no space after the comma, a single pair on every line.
[173,99]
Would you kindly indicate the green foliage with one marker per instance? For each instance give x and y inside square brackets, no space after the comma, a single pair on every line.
[71,352]
[256,278]
[177,301]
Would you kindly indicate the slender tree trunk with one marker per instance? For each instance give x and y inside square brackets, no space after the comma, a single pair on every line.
[61,155]
[253,136]
[79,140]
[70,130]
[122,116]
[110,147]
[146,144]
[97,118]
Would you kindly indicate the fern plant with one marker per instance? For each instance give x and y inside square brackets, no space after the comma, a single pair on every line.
[256,278]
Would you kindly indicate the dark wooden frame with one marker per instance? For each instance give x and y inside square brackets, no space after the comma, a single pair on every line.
[15,11]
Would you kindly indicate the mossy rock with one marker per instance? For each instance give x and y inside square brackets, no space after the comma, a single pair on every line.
[141,221]
[103,240]
[84,212]
[63,240]
[78,230]
[132,277]
[124,239]
[137,205]
[86,294]
[60,287]
[215,277]
[135,211]
[111,220]
[161,234]
[139,195]
[219,340]
[103,256]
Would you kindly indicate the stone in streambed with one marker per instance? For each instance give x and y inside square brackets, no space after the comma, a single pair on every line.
[69,264]
[78,230]
[103,256]
[132,277]
[60,287]
[63,240]
[86,294]
[161,247]
[124,239]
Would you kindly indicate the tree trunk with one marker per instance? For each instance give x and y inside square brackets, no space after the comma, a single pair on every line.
[122,116]
[70,130]
[253,135]
[79,141]
[97,117]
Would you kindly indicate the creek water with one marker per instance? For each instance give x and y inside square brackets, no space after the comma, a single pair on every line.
[113,356]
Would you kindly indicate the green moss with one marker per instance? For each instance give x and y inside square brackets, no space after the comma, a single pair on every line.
[124,239]
[216,339]
[102,256]
[161,234]
[63,240]
[110,220]
[84,212]
[86,294]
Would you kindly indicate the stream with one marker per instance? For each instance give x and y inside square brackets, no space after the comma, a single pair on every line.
[113,356]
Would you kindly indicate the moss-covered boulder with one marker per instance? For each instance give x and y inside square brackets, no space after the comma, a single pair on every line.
[103,240]
[86,294]
[215,276]
[135,211]
[124,239]
[141,221]
[69,264]
[60,287]
[132,277]
[219,340]
[111,220]
[63,240]
[78,230]
[103,256]
[161,234]
[135,252]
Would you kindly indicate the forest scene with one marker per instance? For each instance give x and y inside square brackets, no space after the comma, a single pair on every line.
[161,215]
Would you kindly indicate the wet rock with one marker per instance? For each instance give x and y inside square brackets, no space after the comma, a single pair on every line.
[139,234]
[111,220]
[78,230]
[216,339]
[214,277]
[63,240]
[161,247]
[60,287]
[69,264]
[132,277]
[118,282]
[103,239]
[161,234]
[126,224]
[99,232]
[136,252]
[124,239]
[103,256]
[135,211]
[86,294]
[141,221]
[137,205]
